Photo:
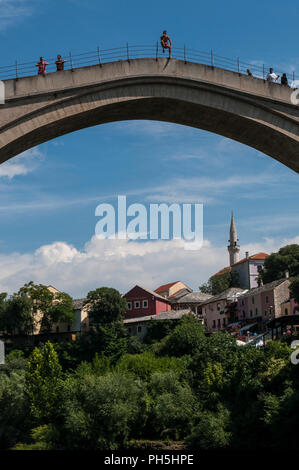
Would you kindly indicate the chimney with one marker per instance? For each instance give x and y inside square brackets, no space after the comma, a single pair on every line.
[287,274]
[246,254]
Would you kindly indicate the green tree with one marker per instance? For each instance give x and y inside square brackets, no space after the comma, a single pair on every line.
[173,405]
[16,316]
[185,338]
[287,258]
[212,430]
[43,383]
[294,288]
[100,412]
[105,306]
[220,282]
[51,307]
[15,408]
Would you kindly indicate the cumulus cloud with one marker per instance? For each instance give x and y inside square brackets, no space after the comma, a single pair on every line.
[120,264]
[22,164]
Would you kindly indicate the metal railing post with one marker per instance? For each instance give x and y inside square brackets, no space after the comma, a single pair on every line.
[71,62]
[16,70]
[185,54]
[99,57]
[212,58]
[238,63]
[293,76]
[263,71]
[128,56]
[157,51]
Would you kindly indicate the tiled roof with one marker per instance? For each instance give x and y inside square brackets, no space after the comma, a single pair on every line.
[225,295]
[259,256]
[149,292]
[169,315]
[265,287]
[165,286]
[224,270]
[193,297]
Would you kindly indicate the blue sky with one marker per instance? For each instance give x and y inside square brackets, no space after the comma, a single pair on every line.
[49,194]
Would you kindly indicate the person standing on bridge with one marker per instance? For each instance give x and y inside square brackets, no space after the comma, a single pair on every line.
[59,63]
[42,64]
[164,43]
[272,77]
[284,79]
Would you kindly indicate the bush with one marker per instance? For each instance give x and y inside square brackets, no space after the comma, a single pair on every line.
[100,412]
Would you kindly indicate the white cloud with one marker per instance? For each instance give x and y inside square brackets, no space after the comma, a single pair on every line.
[120,264]
[22,164]
[12,11]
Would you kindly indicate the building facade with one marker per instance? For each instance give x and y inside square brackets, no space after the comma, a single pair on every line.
[143,302]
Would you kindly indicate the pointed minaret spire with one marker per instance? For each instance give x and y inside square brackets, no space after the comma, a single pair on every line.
[233,247]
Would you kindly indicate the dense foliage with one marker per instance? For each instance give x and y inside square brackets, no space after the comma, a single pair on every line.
[220,282]
[108,391]
[33,307]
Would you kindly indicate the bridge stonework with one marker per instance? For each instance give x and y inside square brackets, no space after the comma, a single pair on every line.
[249,110]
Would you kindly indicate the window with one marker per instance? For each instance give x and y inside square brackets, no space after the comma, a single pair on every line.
[286,312]
[224,322]
[137,304]
[145,304]
[139,329]
[69,328]
[259,267]
[218,307]
[244,314]
[130,330]
[251,313]
[129,305]
[252,300]
[243,302]
[267,299]
[256,311]
[219,322]
[57,329]
[265,313]
[214,323]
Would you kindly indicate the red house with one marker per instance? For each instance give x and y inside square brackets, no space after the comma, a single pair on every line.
[142,302]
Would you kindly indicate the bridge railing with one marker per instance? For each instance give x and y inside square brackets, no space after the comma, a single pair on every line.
[100,56]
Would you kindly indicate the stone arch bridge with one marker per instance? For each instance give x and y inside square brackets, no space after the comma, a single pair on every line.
[249,110]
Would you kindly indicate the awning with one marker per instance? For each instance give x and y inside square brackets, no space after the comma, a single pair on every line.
[233,324]
[247,327]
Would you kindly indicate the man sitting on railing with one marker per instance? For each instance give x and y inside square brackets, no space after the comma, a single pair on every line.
[42,64]
[59,63]
[164,43]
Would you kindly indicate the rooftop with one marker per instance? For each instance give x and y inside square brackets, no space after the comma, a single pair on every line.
[170,315]
[165,287]
[193,297]
[265,287]
[225,295]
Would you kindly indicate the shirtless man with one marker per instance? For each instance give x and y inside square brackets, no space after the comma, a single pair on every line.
[59,63]
[164,43]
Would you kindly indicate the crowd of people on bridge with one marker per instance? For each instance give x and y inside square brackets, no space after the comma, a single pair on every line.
[166,43]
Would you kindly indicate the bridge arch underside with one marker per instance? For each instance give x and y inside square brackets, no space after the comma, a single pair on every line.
[251,121]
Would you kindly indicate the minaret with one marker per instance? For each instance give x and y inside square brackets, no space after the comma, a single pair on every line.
[233,247]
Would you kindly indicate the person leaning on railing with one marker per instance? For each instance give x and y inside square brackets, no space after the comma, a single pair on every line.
[272,77]
[59,63]
[42,64]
